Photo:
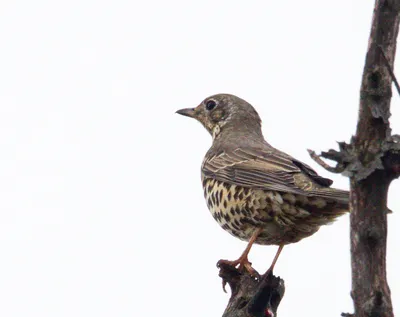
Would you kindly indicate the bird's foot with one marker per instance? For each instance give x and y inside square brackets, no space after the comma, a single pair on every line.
[242,264]
[230,271]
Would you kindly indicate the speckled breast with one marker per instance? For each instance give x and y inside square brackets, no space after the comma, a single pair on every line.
[228,205]
[286,218]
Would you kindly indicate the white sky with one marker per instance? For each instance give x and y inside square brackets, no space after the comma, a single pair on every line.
[101,209]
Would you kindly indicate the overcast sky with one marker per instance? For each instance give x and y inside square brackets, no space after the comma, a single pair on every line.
[102,210]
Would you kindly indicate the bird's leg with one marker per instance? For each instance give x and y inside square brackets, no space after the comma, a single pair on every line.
[271,268]
[243,261]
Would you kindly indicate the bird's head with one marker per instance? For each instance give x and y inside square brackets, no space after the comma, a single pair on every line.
[223,112]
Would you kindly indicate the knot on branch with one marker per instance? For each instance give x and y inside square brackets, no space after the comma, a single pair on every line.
[252,297]
[376,305]
[358,163]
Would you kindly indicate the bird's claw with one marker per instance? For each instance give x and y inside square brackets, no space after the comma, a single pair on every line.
[242,265]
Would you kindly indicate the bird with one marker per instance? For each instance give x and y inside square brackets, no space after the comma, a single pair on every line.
[254,191]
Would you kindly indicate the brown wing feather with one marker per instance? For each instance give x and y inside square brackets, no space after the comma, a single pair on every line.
[272,170]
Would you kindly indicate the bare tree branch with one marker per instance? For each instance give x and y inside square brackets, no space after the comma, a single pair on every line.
[252,297]
[339,168]
[372,161]
[389,68]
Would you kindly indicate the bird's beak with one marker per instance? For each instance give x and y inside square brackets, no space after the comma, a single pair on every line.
[188,112]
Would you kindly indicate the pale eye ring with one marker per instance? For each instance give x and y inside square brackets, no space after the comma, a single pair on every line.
[210,105]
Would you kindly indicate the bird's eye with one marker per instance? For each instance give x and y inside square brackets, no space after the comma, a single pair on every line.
[210,105]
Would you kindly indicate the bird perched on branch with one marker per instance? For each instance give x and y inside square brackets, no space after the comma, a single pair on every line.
[254,191]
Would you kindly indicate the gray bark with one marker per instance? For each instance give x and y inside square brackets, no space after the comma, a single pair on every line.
[252,297]
[372,161]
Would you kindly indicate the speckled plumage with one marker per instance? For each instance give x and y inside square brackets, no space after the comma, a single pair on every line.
[254,191]
[285,217]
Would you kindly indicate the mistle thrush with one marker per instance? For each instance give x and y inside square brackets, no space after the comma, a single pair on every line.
[254,191]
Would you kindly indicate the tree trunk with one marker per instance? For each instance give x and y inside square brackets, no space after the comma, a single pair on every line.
[372,161]
[370,183]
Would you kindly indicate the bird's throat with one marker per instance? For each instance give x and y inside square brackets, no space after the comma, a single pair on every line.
[216,130]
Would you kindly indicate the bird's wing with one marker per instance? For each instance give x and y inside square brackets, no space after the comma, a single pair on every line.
[269,169]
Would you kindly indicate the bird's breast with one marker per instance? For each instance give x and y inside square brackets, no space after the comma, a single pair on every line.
[229,205]
[285,217]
